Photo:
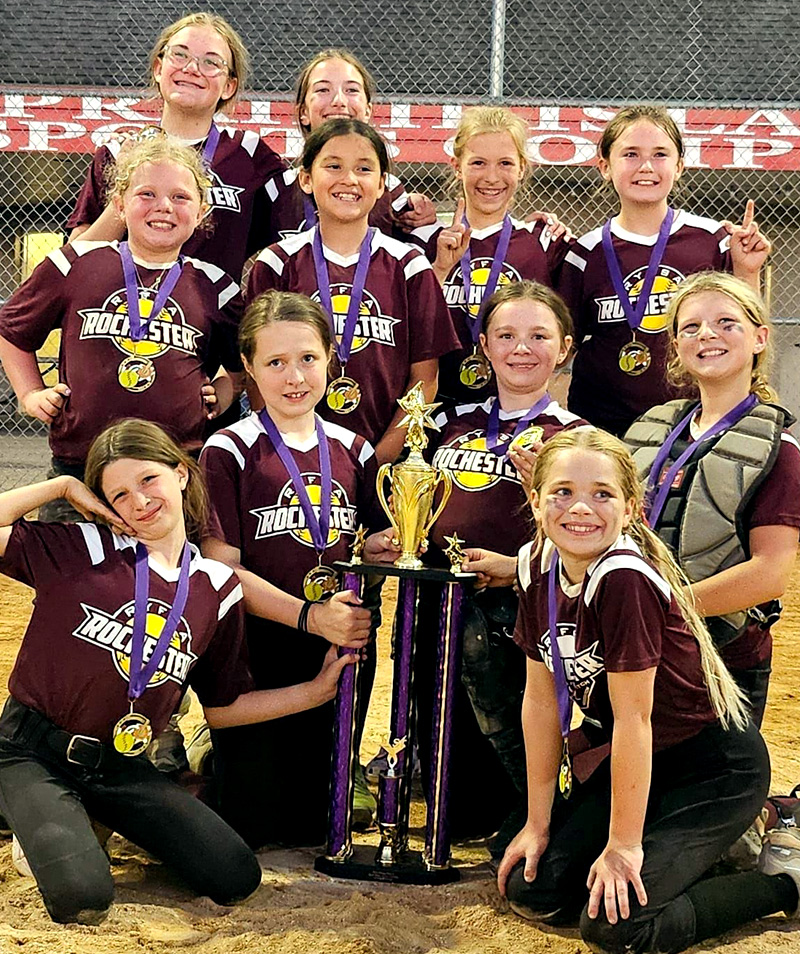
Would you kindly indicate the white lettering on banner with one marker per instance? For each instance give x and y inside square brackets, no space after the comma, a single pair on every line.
[41,134]
[764,119]
[745,155]
[4,140]
[549,119]
[400,116]
[580,150]
[600,116]
[14,104]
[261,112]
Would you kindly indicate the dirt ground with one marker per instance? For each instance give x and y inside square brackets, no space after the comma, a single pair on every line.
[297,911]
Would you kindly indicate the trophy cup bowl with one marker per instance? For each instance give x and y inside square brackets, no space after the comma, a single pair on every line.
[413,487]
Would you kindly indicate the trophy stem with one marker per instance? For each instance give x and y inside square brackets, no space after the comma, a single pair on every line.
[394,784]
[448,671]
[345,754]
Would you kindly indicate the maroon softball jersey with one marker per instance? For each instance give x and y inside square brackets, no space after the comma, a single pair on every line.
[74,661]
[242,164]
[600,390]
[403,318]
[621,618]
[258,508]
[487,507]
[532,255]
[288,214]
[80,289]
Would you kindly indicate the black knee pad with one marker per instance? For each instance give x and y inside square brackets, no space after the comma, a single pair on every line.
[604,938]
[238,881]
[528,900]
[80,899]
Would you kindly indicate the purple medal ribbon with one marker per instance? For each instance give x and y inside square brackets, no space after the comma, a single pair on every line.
[493,431]
[318,528]
[559,675]
[140,675]
[212,141]
[356,292]
[309,213]
[138,325]
[635,315]
[657,494]
[500,251]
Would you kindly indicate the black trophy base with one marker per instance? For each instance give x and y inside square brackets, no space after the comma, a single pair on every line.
[361,866]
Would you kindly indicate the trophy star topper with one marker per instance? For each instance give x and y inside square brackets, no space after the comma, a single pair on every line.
[454,552]
[418,417]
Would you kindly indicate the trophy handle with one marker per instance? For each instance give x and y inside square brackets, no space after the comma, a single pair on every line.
[442,476]
[384,471]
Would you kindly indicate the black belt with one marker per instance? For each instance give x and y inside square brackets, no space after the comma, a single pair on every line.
[25,726]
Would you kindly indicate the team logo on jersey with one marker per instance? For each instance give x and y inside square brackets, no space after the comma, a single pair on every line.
[455,295]
[473,467]
[221,196]
[372,324]
[664,287]
[582,669]
[287,515]
[113,632]
[167,330]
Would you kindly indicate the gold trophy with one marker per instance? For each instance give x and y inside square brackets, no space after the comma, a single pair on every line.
[413,483]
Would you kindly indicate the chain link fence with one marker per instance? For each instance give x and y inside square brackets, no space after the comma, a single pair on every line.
[71,74]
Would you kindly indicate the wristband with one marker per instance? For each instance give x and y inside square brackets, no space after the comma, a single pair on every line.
[302,619]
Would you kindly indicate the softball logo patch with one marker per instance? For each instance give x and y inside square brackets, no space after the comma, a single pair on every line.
[472,465]
[664,287]
[455,295]
[287,516]
[372,326]
[113,633]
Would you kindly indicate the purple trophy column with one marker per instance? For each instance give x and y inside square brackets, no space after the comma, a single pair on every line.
[392,803]
[448,666]
[344,756]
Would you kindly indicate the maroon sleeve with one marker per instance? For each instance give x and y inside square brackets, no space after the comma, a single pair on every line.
[569,285]
[224,348]
[556,253]
[724,262]
[92,197]
[262,278]
[628,614]
[527,629]
[35,309]
[222,673]
[222,473]
[777,501]
[370,512]
[263,229]
[431,330]
[40,553]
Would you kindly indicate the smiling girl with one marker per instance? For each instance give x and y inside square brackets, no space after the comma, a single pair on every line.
[290,491]
[122,623]
[485,243]
[143,328]
[618,279]
[335,84]
[723,472]
[385,306]
[199,65]
[688,771]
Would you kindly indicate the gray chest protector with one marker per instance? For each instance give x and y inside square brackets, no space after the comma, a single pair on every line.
[702,519]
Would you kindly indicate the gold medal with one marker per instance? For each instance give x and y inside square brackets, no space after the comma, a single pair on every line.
[132,734]
[320,583]
[136,373]
[528,438]
[565,773]
[475,370]
[343,395]
[634,358]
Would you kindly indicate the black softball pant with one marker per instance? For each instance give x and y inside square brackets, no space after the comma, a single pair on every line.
[705,792]
[49,802]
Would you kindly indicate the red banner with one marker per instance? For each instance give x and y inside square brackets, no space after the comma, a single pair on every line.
[61,121]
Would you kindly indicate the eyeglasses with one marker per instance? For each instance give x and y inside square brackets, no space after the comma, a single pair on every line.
[208,65]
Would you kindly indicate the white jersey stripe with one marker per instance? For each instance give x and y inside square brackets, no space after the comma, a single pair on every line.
[524,565]
[61,262]
[625,561]
[230,600]
[94,543]
[225,443]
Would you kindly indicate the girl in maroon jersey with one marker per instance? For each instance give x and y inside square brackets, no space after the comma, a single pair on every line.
[122,623]
[688,770]
[259,472]
[198,66]
[720,346]
[336,84]
[484,241]
[527,333]
[618,279]
[390,321]
[155,365]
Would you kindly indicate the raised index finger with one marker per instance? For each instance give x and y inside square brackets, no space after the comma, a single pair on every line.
[749,212]
[458,215]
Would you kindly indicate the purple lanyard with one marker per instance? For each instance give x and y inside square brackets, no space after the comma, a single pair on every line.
[500,251]
[140,675]
[559,675]
[493,432]
[356,292]
[309,213]
[138,325]
[212,141]
[635,315]
[317,528]
[657,494]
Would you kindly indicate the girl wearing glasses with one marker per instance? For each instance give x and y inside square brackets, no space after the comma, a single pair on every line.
[723,474]
[198,65]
